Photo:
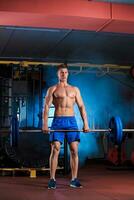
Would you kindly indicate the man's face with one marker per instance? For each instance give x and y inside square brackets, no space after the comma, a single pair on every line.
[63,74]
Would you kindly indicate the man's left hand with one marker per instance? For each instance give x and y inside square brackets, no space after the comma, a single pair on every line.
[86,129]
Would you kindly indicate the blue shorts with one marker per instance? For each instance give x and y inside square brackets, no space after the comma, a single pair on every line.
[65,123]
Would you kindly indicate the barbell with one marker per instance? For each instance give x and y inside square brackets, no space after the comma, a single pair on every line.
[115,130]
[30,149]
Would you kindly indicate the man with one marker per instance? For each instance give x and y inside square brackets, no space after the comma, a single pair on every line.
[64,96]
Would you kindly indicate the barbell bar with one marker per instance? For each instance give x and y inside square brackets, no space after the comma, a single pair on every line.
[66,130]
[49,130]
[90,130]
[127,130]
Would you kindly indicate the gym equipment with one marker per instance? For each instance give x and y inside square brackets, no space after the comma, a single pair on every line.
[14,131]
[115,130]
[32,150]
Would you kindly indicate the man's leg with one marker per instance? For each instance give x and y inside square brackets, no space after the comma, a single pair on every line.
[53,162]
[74,165]
[74,159]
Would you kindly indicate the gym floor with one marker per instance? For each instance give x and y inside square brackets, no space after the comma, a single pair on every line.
[99,184]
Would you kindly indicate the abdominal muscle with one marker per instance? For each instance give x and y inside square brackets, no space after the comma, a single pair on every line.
[64,112]
[64,106]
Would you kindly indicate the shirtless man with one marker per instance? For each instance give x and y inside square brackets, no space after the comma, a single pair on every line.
[64,96]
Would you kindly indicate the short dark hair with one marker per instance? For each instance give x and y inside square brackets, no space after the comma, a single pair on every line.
[62,66]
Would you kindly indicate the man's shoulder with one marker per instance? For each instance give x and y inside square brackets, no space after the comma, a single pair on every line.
[52,88]
[76,89]
[72,86]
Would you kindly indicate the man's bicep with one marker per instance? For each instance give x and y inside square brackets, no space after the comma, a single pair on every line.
[79,100]
[49,98]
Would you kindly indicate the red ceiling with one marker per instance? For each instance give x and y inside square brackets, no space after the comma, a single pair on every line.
[68,14]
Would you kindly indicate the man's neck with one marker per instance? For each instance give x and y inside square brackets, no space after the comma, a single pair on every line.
[63,83]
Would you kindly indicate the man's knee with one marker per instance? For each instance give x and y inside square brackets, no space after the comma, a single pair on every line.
[56,148]
[74,152]
[74,149]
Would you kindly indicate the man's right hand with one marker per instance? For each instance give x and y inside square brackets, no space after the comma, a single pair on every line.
[45,130]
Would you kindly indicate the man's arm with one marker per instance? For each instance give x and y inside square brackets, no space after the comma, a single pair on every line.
[81,107]
[48,102]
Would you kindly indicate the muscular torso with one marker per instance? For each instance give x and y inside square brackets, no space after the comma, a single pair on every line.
[64,100]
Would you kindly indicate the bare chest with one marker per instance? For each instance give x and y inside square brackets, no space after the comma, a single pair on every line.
[63,92]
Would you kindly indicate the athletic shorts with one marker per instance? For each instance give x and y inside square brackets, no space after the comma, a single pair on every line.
[65,123]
